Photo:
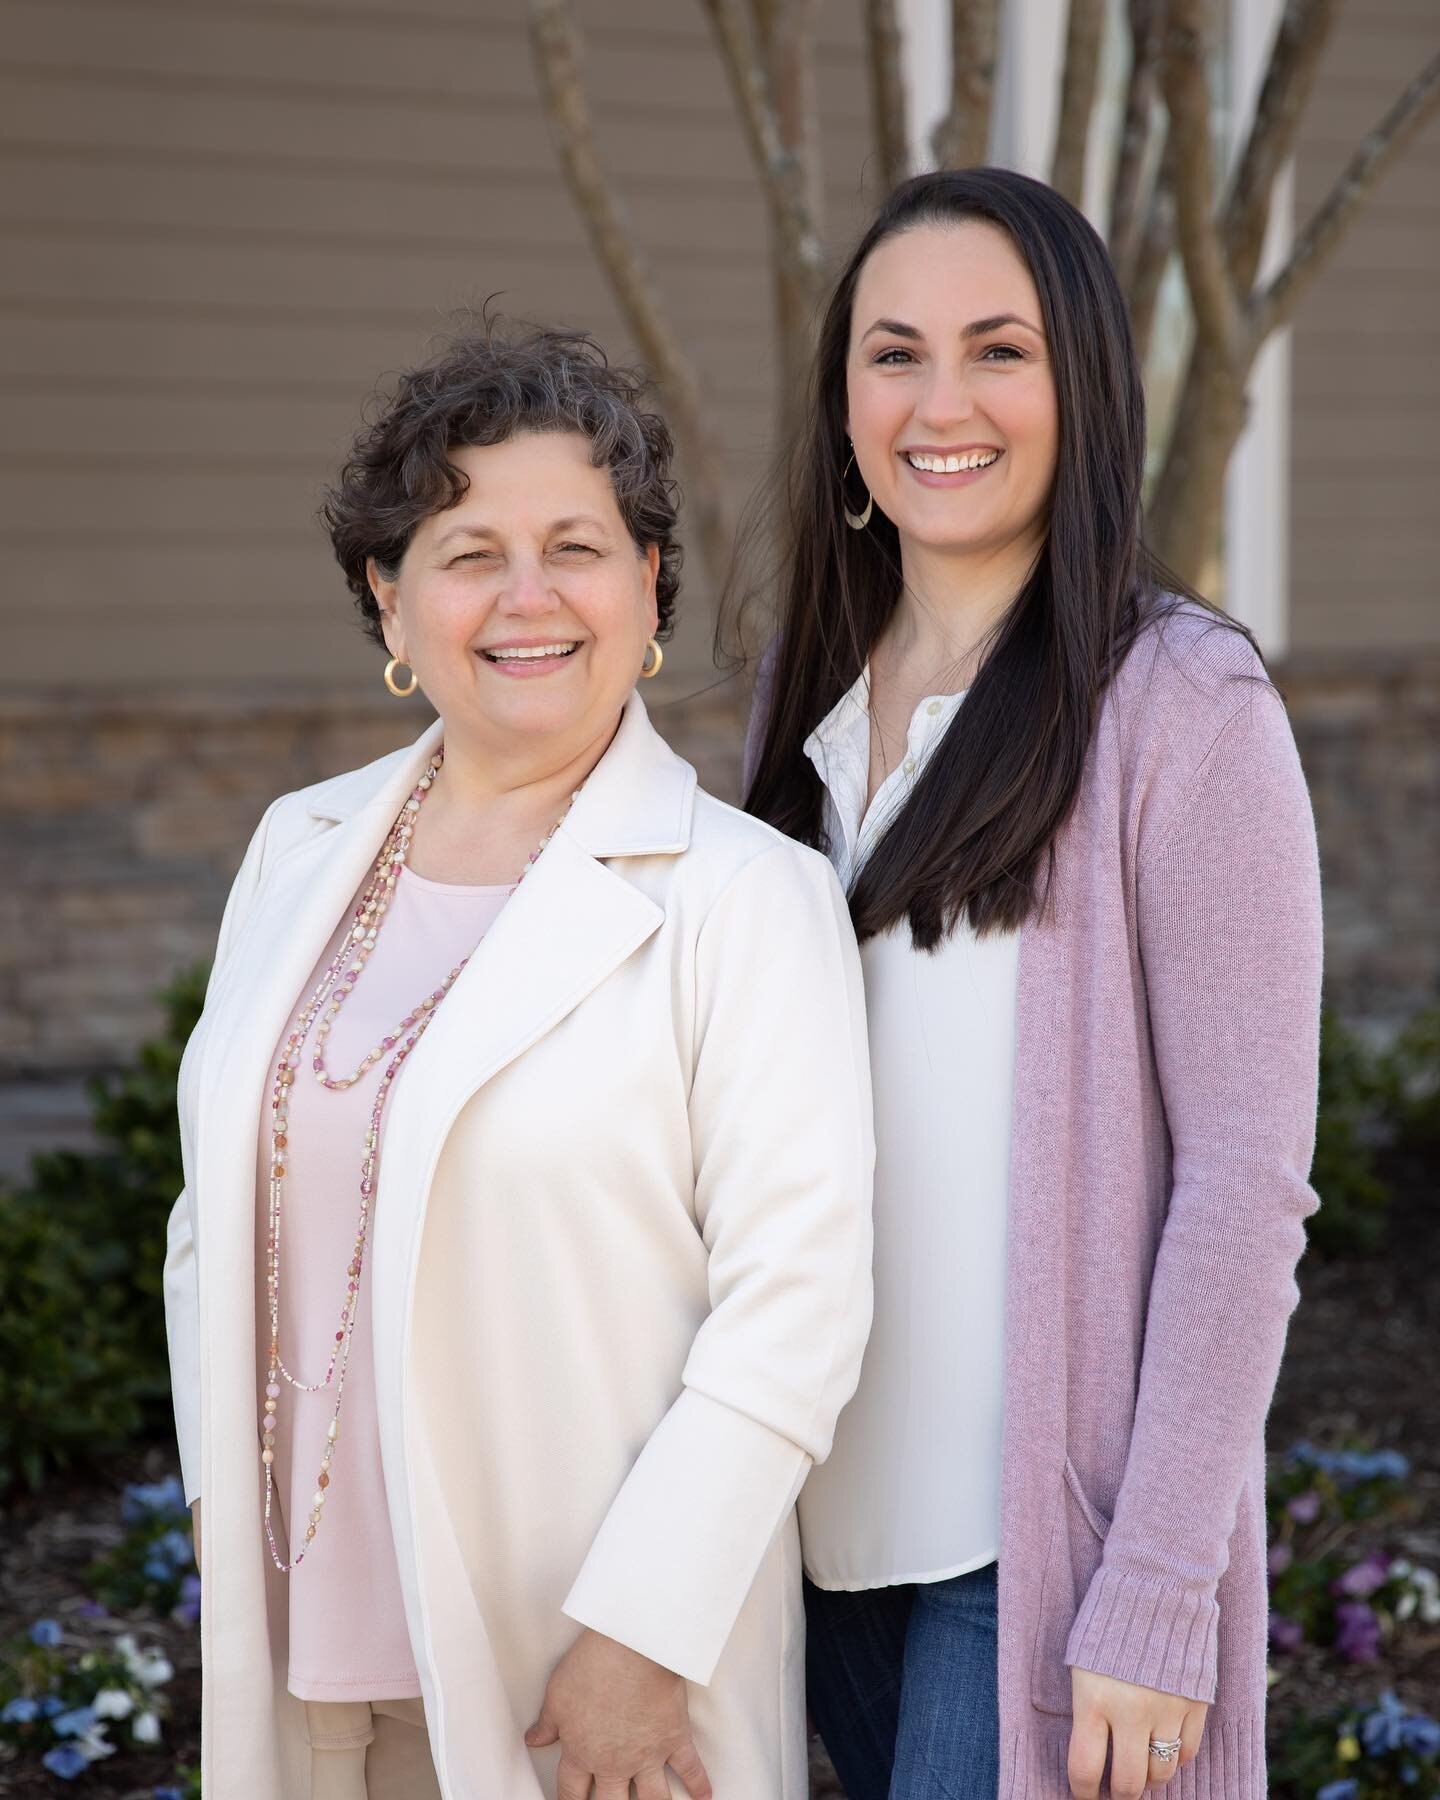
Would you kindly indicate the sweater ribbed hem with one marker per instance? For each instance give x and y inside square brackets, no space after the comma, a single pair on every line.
[1161,1637]
[1230,1766]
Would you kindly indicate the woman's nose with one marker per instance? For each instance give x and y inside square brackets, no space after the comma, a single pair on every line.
[945,400]
[529,592]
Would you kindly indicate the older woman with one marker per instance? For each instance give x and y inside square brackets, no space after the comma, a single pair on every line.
[523,1263]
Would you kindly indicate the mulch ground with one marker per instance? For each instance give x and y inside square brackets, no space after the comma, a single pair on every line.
[1361,1362]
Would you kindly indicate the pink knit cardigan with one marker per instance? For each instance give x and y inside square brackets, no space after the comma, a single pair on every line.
[1167,1044]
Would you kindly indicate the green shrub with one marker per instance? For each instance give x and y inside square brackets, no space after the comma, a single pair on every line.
[1351,1131]
[83,1365]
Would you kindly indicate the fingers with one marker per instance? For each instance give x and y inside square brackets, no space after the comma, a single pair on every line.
[1089,1740]
[543,1731]
[1163,1770]
[1130,1760]
[687,1765]
[1192,1729]
[652,1785]
[571,1781]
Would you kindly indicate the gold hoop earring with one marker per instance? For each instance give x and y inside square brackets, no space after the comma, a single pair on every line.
[856,521]
[648,672]
[400,693]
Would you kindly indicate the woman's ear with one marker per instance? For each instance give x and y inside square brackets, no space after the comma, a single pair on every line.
[386,597]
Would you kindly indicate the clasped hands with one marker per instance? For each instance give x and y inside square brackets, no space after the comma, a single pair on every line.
[618,1718]
[1125,1718]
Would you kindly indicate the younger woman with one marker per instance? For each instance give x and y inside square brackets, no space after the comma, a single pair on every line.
[1068,809]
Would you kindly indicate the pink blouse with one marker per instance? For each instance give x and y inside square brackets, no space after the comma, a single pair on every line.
[348,1639]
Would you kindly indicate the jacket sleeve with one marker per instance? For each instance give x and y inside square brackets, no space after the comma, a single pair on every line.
[1228,900]
[181,1285]
[783,1151]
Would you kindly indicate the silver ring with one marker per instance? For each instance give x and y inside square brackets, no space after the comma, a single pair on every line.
[1167,1750]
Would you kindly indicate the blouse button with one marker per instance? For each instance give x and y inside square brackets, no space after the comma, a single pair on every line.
[909,765]
[933,708]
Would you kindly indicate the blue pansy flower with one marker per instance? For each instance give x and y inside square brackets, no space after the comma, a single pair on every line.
[1384,1728]
[176,1545]
[50,1704]
[143,1499]
[66,1761]
[74,1723]
[168,1793]
[20,1711]
[1340,1790]
[45,1633]
[1421,1735]
[156,1568]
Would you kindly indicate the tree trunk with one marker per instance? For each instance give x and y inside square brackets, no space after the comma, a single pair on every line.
[1183,527]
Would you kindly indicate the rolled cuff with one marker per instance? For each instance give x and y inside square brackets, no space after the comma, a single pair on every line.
[1141,1631]
[677,1552]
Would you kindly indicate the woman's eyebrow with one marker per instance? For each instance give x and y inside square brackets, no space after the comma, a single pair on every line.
[979,327]
[976,328]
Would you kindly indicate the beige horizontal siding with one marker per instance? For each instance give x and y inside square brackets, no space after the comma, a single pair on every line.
[223,221]
[1365,442]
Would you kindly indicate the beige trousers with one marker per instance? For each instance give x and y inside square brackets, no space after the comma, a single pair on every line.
[369,1750]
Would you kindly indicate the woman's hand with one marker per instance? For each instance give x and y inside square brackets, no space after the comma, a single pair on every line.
[1125,1719]
[618,1718]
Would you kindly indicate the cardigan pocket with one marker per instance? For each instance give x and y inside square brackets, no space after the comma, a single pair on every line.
[1077,1543]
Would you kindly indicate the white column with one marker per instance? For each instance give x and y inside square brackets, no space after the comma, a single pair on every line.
[925,68]
[1257,483]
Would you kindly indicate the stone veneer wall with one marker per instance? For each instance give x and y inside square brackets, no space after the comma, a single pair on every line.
[127,816]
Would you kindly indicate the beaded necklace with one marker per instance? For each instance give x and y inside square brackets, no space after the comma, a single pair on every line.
[334,987]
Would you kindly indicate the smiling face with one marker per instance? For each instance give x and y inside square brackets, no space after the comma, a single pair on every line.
[951,399]
[525,609]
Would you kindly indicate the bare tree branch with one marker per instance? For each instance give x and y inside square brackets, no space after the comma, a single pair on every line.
[555,41]
[1153,254]
[963,136]
[887,92]
[796,232]
[1077,96]
[1321,237]
[1304,30]
[1127,219]
[1187,94]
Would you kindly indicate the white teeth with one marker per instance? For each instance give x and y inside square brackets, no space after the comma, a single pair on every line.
[951,465]
[531,654]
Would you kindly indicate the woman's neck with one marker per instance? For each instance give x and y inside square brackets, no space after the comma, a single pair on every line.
[493,805]
[949,607]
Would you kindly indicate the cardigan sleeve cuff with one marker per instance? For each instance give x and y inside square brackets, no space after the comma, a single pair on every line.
[1158,1636]
[677,1552]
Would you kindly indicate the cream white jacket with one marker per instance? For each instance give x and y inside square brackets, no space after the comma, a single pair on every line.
[620,1271]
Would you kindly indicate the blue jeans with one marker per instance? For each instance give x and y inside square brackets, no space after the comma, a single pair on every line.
[904,1687]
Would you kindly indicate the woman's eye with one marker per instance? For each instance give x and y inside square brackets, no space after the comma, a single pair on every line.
[1003,353]
[576,549]
[893,357]
[475,556]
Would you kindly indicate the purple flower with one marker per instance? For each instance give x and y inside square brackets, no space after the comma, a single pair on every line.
[1304,1509]
[1358,1638]
[45,1633]
[1364,1577]
[92,1609]
[1384,1728]
[1286,1634]
[66,1761]
[1281,1557]
[187,1609]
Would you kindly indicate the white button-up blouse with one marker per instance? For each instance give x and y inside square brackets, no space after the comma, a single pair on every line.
[911,1489]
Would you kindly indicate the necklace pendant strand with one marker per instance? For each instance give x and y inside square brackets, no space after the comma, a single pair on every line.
[318,1013]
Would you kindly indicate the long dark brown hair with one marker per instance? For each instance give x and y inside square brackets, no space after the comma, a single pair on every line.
[974,838]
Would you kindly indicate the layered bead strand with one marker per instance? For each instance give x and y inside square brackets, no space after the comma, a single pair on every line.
[335,986]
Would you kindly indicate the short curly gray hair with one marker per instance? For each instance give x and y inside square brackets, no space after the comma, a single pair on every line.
[486,387]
